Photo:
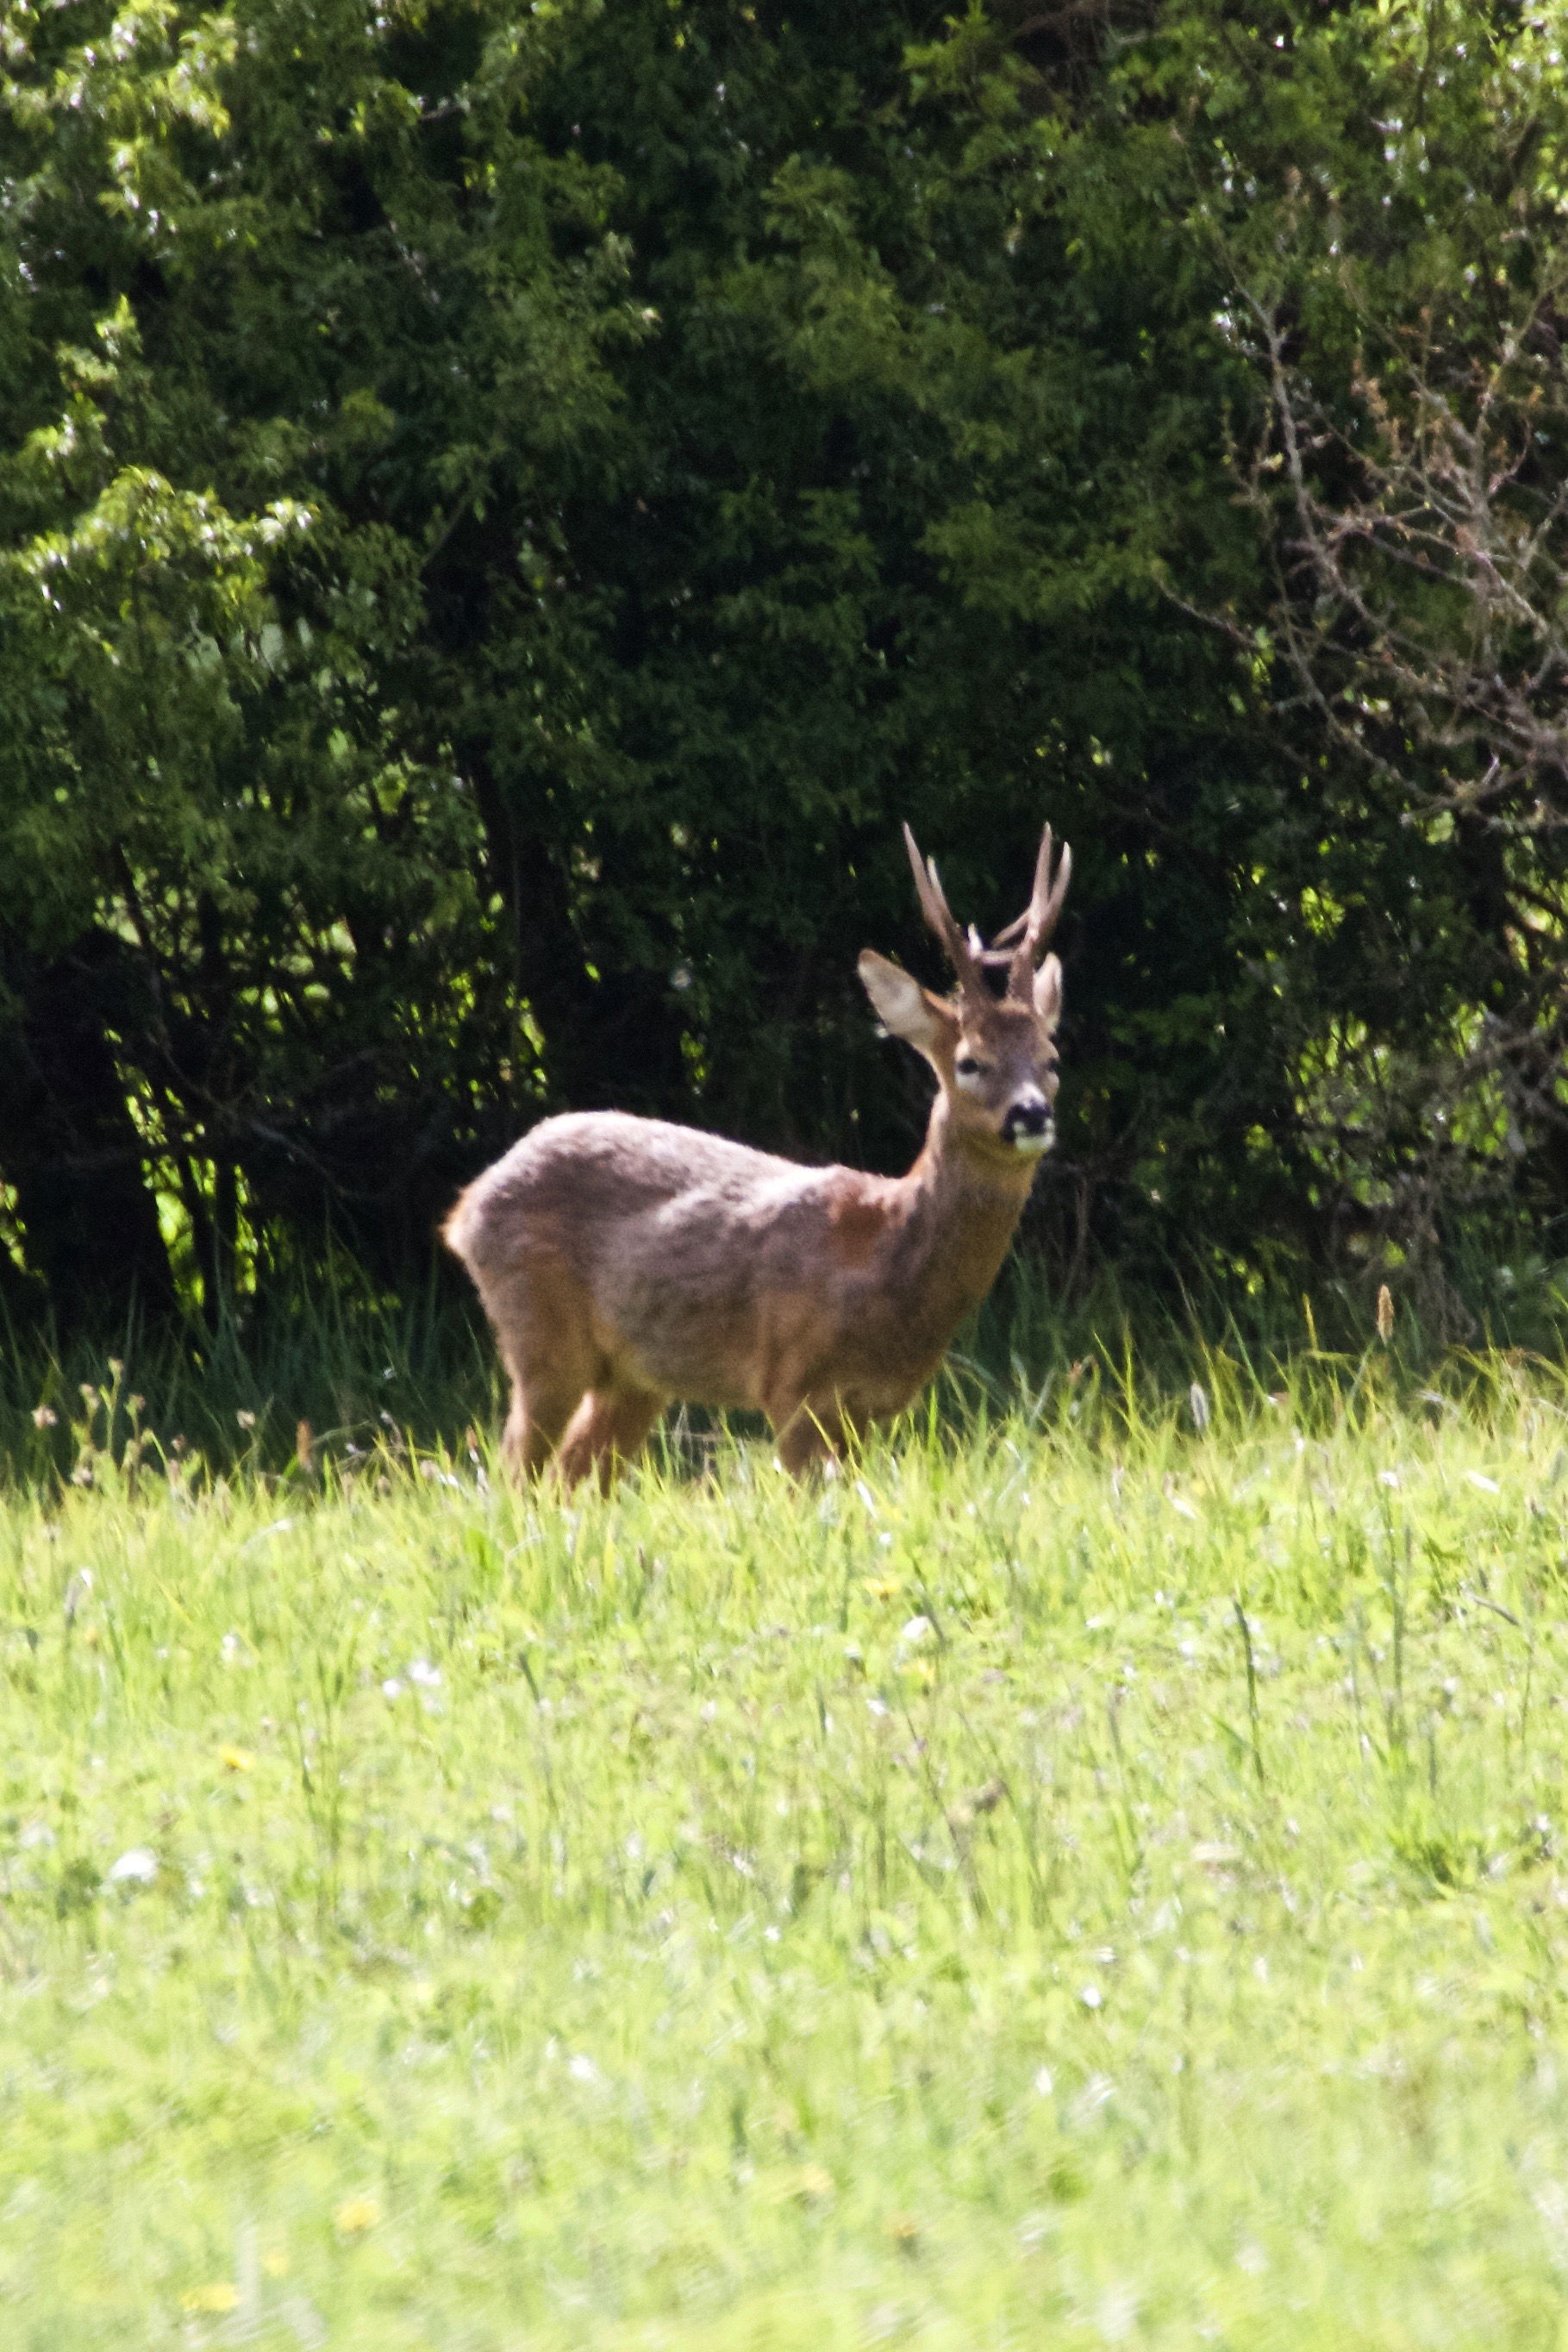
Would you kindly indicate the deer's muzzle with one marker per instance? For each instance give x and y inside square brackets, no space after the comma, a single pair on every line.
[1029,1125]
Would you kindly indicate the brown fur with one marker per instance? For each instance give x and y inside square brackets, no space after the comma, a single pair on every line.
[624,1263]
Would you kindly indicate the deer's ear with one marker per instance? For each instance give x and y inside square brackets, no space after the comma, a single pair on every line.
[905,1008]
[1048,993]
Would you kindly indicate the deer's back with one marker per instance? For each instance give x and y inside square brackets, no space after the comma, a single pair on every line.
[576,1180]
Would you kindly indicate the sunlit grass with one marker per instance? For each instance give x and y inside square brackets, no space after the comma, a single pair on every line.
[1091,1880]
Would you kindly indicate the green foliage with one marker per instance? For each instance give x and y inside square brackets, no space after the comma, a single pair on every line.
[1104,1879]
[500,515]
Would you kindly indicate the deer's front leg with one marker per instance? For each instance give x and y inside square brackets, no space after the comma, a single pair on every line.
[814,1430]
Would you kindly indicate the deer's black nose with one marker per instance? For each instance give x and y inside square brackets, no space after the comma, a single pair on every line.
[1029,1117]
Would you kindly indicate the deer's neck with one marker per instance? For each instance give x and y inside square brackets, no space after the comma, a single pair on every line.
[961,1210]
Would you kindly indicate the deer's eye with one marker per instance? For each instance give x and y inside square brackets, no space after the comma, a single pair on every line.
[968,1066]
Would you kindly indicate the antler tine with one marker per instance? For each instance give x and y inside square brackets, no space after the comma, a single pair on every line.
[934,906]
[1012,931]
[1033,927]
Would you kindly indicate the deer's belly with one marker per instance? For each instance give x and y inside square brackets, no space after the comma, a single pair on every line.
[770,1348]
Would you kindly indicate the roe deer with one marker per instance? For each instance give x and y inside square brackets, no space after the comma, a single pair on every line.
[624,1263]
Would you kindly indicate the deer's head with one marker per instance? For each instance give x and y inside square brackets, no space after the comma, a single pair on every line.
[995,1055]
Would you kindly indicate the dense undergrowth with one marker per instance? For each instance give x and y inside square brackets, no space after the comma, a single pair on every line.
[1091,1873]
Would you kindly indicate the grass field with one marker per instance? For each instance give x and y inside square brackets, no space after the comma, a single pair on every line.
[1094,1879]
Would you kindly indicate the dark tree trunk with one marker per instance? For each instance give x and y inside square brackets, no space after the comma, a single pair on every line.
[611,1042]
[70,1148]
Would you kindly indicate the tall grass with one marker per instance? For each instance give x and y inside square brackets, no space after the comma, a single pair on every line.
[361,1371]
[1091,1873]
[366,1372]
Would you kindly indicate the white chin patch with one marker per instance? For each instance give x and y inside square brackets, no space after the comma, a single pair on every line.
[1034,1147]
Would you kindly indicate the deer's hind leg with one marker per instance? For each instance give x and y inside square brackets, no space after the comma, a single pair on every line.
[542,1322]
[540,1414]
[607,1428]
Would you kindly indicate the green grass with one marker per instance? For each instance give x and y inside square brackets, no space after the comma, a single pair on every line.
[1075,1880]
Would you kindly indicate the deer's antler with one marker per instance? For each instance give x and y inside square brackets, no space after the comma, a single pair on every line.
[965,955]
[1019,945]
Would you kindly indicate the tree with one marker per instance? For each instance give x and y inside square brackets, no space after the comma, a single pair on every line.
[1403,462]
[501,516]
